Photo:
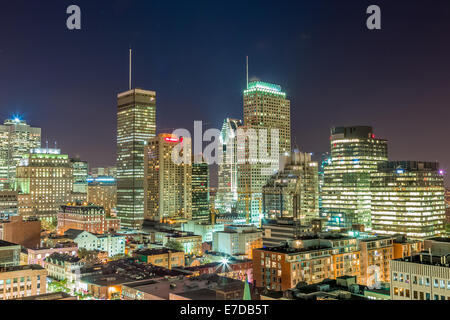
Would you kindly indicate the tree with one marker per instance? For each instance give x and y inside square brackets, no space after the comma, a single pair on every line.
[174,245]
[49,225]
[88,256]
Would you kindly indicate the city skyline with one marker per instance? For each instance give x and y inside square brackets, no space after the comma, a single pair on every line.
[207,83]
[224,151]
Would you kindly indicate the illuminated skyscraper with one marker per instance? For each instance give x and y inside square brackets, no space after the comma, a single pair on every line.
[293,192]
[227,170]
[200,192]
[355,154]
[167,184]
[44,182]
[265,108]
[408,198]
[16,140]
[80,174]
[136,125]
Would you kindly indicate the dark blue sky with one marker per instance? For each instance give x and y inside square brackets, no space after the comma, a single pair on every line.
[334,70]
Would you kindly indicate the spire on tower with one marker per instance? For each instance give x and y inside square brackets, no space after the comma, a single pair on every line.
[247,71]
[129,80]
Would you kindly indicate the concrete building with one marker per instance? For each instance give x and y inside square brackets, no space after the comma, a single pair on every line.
[38,255]
[103,171]
[237,240]
[16,140]
[203,229]
[9,254]
[191,243]
[26,232]
[102,192]
[309,259]
[238,269]
[341,288]
[404,247]
[86,217]
[166,258]
[114,245]
[64,267]
[136,125]
[408,198]
[277,232]
[206,287]
[44,182]
[167,184]
[50,296]
[22,281]
[113,276]
[355,154]
[282,230]
[424,276]
[8,204]
[376,252]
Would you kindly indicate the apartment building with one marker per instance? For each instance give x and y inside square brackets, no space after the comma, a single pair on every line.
[22,281]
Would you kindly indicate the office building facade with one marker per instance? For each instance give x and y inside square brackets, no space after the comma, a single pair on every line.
[167,184]
[266,110]
[136,125]
[16,140]
[293,192]
[408,199]
[346,196]
[227,196]
[45,182]
[200,192]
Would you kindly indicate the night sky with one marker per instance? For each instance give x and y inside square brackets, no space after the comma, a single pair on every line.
[192,53]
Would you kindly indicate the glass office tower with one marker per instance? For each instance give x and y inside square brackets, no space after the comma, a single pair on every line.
[136,125]
[200,192]
[265,108]
[355,154]
[408,198]
[293,192]
[227,170]
[17,138]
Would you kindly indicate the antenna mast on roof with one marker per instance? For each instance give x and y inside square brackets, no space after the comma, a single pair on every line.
[247,71]
[129,81]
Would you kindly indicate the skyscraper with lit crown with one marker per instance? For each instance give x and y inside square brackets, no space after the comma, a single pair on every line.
[227,170]
[265,108]
[17,138]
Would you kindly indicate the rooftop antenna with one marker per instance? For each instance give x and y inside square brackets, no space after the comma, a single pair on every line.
[247,71]
[46,144]
[56,145]
[129,84]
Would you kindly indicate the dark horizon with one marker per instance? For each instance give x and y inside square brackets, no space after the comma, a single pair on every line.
[334,70]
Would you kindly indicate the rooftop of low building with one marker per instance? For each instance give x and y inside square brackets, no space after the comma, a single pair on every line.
[4,243]
[129,270]
[424,257]
[56,256]
[21,268]
[155,251]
